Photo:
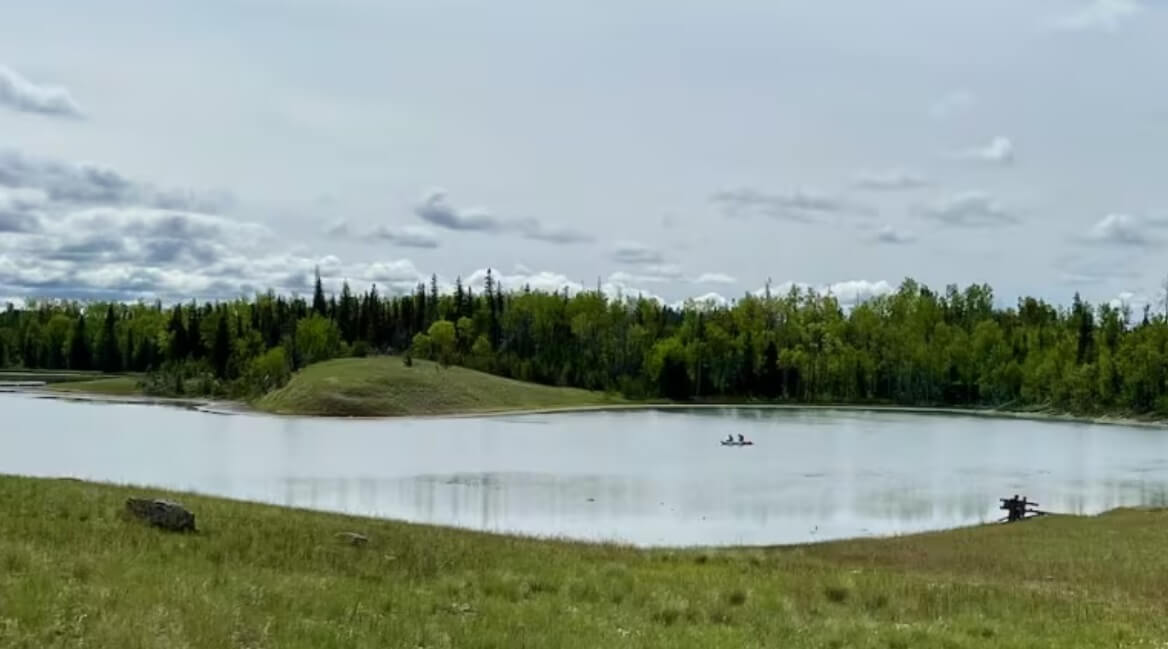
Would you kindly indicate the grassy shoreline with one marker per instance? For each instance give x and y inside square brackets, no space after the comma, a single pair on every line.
[74,571]
[382,387]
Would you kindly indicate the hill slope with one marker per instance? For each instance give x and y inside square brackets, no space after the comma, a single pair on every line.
[384,386]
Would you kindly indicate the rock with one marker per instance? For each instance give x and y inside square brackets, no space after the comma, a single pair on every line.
[353,538]
[162,513]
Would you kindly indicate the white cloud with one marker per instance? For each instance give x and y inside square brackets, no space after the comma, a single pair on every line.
[951,104]
[999,150]
[703,302]
[22,95]
[799,205]
[1122,230]
[970,209]
[847,293]
[1101,15]
[715,278]
[634,253]
[891,235]
[891,180]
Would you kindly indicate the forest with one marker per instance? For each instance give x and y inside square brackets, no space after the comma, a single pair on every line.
[913,347]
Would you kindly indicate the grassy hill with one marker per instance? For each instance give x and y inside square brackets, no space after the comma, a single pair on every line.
[384,386]
[75,572]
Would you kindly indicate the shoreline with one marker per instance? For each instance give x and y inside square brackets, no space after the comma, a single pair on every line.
[214,406]
[514,535]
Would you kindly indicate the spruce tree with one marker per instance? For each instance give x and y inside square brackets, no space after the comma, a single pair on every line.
[80,355]
[319,306]
[221,349]
[109,354]
[179,349]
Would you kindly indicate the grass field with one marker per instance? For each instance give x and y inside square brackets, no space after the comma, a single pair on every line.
[384,386]
[74,572]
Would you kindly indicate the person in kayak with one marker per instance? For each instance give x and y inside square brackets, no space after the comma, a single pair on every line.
[741,439]
[730,439]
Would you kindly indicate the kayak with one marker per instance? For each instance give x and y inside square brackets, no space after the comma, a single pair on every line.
[725,443]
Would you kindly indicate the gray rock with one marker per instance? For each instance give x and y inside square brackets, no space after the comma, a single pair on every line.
[353,538]
[162,513]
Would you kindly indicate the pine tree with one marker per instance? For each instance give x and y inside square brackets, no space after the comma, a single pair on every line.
[769,376]
[432,301]
[319,305]
[109,355]
[221,349]
[347,314]
[80,355]
[179,348]
[195,332]
[458,300]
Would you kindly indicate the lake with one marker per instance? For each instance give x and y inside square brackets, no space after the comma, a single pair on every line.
[647,477]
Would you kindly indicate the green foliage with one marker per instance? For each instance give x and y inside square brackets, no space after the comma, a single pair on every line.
[317,339]
[266,372]
[912,347]
[422,346]
[443,340]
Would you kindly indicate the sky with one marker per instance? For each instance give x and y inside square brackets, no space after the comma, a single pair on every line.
[163,149]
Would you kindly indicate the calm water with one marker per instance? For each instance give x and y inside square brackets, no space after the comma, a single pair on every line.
[645,477]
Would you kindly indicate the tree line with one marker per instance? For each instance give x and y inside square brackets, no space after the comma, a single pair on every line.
[912,347]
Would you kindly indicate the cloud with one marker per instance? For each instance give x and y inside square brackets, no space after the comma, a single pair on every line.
[970,209]
[715,278]
[999,150]
[21,209]
[1099,15]
[89,184]
[891,235]
[407,237]
[891,180]
[1122,230]
[704,302]
[24,96]
[435,208]
[847,293]
[951,104]
[636,254]
[338,228]
[799,205]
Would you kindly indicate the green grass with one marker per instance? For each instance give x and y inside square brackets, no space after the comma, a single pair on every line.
[113,386]
[384,386]
[48,376]
[74,572]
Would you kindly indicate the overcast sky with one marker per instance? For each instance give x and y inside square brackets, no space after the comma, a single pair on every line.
[156,148]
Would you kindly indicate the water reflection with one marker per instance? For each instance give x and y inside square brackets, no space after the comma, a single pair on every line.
[647,477]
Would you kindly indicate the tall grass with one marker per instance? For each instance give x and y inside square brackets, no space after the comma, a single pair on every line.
[75,572]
